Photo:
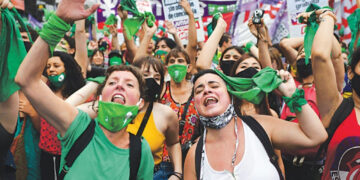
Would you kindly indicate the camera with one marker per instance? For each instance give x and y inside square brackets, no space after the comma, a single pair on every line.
[258,14]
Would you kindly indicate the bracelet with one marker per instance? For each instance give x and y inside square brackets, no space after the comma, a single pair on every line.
[295,101]
[178,175]
[53,31]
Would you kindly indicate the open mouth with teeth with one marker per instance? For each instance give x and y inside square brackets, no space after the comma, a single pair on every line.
[118,98]
[209,101]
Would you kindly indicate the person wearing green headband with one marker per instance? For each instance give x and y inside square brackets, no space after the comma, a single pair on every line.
[245,153]
[107,154]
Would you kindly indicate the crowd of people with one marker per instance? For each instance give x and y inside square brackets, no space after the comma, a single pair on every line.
[76,107]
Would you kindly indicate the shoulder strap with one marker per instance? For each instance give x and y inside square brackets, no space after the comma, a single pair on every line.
[341,113]
[263,137]
[145,120]
[183,115]
[198,155]
[135,155]
[79,145]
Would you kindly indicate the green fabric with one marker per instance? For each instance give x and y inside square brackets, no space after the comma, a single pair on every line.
[354,23]
[310,30]
[91,19]
[177,72]
[211,26]
[115,61]
[32,150]
[160,54]
[111,20]
[248,46]
[296,101]
[53,31]
[12,52]
[58,80]
[101,159]
[48,14]
[99,79]
[72,30]
[252,89]
[132,25]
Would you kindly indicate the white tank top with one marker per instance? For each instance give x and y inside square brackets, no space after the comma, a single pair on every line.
[254,165]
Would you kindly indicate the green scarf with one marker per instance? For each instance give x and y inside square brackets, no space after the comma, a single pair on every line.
[310,30]
[12,52]
[111,20]
[211,26]
[132,25]
[252,89]
[354,23]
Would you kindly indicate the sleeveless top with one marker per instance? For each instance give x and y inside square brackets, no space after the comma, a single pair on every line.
[254,164]
[152,135]
[343,152]
[191,119]
[49,141]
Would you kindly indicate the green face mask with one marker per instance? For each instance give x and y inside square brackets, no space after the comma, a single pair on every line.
[160,54]
[177,72]
[115,61]
[57,80]
[114,116]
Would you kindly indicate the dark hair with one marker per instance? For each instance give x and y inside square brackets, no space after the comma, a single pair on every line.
[236,64]
[134,70]
[175,53]
[275,56]
[355,57]
[74,79]
[169,42]
[71,41]
[237,48]
[224,38]
[95,52]
[303,70]
[148,62]
[201,73]
[34,35]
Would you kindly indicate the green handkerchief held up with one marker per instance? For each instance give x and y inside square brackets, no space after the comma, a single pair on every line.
[354,23]
[252,89]
[12,53]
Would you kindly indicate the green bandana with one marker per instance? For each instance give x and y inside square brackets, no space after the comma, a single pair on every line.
[211,26]
[111,20]
[58,80]
[99,79]
[115,61]
[177,72]
[132,25]
[310,30]
[252,89]
[295,101]
[160,54]
[12,52]
[354,23]
[114,116]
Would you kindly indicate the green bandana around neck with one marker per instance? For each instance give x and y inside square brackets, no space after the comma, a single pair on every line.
[310,30]
[115,61]
[252,89]
[114,116]
[132,25]
[177,72]
[354,24]
[58,80]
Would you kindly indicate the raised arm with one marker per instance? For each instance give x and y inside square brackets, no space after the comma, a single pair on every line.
[81,56]
[205,58]
[29,73]
[261,33]
[144,44]
[172,30]
[338,63]
[114,38]
[327,94]
[289,48]
[130,44]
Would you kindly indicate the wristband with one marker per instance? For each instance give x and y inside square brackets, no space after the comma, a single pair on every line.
[53,31]
[295,101]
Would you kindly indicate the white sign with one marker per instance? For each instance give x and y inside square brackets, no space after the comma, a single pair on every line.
[175,13]
[296,7]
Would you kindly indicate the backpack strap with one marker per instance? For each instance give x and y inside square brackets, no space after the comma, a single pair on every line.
[341,113]
[80,144]
[265,141]
[145,120]
[198,154]
[135,155]
[183,115]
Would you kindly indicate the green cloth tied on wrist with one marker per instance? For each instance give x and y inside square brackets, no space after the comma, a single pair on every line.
[99,79]
[53,31]
[311,28]
[12,52]
[354,24]
[252,89]
[296,101]
[132,25]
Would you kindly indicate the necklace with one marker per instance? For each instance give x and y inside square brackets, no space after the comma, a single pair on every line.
[236,144]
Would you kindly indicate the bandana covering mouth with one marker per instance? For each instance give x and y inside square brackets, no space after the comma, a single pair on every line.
[177,72]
